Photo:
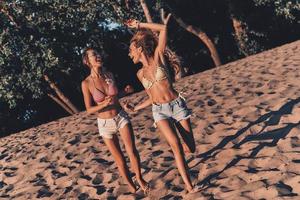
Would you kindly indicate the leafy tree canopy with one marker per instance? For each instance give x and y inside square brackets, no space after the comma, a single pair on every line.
[46,37]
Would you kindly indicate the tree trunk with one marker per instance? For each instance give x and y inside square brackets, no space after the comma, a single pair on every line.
[146,11]
[127,4]
[240,33]
[61,95]
[203,37]
[59,102]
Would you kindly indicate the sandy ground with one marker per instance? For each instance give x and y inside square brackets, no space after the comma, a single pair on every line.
[246,124]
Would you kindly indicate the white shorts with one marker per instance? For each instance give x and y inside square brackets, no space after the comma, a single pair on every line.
[109,127]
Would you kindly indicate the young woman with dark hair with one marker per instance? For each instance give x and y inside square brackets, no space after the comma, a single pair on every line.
[100,96]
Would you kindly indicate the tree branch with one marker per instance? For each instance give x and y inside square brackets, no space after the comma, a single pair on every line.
[203,37]
[61,95]
[146,11]
[58,101]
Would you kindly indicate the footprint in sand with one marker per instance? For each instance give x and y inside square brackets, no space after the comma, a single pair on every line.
[94,150]
[83,196]
[76,140]
[97,180]
[100,189]
[44,192]
[103,161]
[84,176]
[284,189]
[154,141]
[56,174]
[144,140]
[2,184]
[157,153]
[9,174]
[199,103]
[38,180]
[211,102]
[168,158]
[295,142]
[112,178]
[70,155]
[5,156]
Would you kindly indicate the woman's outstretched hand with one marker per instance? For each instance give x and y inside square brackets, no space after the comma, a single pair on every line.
[128,107]
[164,18]
[132,23]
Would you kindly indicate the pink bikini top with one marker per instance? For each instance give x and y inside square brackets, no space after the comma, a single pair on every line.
[99,95]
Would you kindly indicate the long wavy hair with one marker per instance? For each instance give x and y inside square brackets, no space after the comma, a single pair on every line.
[148,41]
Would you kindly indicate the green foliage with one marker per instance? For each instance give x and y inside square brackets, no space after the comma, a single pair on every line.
[40,37]
[290,9]
[46,37]
[263,22]
[23,62]
[250,38]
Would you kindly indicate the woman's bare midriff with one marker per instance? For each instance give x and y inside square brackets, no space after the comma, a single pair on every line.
[110,111]
[162,92]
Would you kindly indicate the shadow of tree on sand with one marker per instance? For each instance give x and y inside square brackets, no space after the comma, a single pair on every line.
[274,136]
[269,119]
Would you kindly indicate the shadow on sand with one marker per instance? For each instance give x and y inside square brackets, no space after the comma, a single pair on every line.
[269,119]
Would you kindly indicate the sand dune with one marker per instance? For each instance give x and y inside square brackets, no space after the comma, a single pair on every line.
[246,117]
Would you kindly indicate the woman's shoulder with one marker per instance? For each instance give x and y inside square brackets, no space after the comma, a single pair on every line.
[139,73]
[85,81]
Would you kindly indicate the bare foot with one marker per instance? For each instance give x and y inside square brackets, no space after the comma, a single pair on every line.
[144,186]
[132,186]
[194,189]
[132,189]
[189,189]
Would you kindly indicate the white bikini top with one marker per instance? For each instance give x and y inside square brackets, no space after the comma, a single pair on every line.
[160,75]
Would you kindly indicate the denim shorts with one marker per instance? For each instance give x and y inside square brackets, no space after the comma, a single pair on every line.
[109,127]
[175,110]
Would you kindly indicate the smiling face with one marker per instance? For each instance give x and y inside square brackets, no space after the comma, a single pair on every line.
[135,53]
[93,59]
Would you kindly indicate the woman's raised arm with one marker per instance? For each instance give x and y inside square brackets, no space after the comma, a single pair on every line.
[161,28]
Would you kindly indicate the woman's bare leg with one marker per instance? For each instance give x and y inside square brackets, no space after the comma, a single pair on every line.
[173,140]
[128,139]
[185,129]
[114,148]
